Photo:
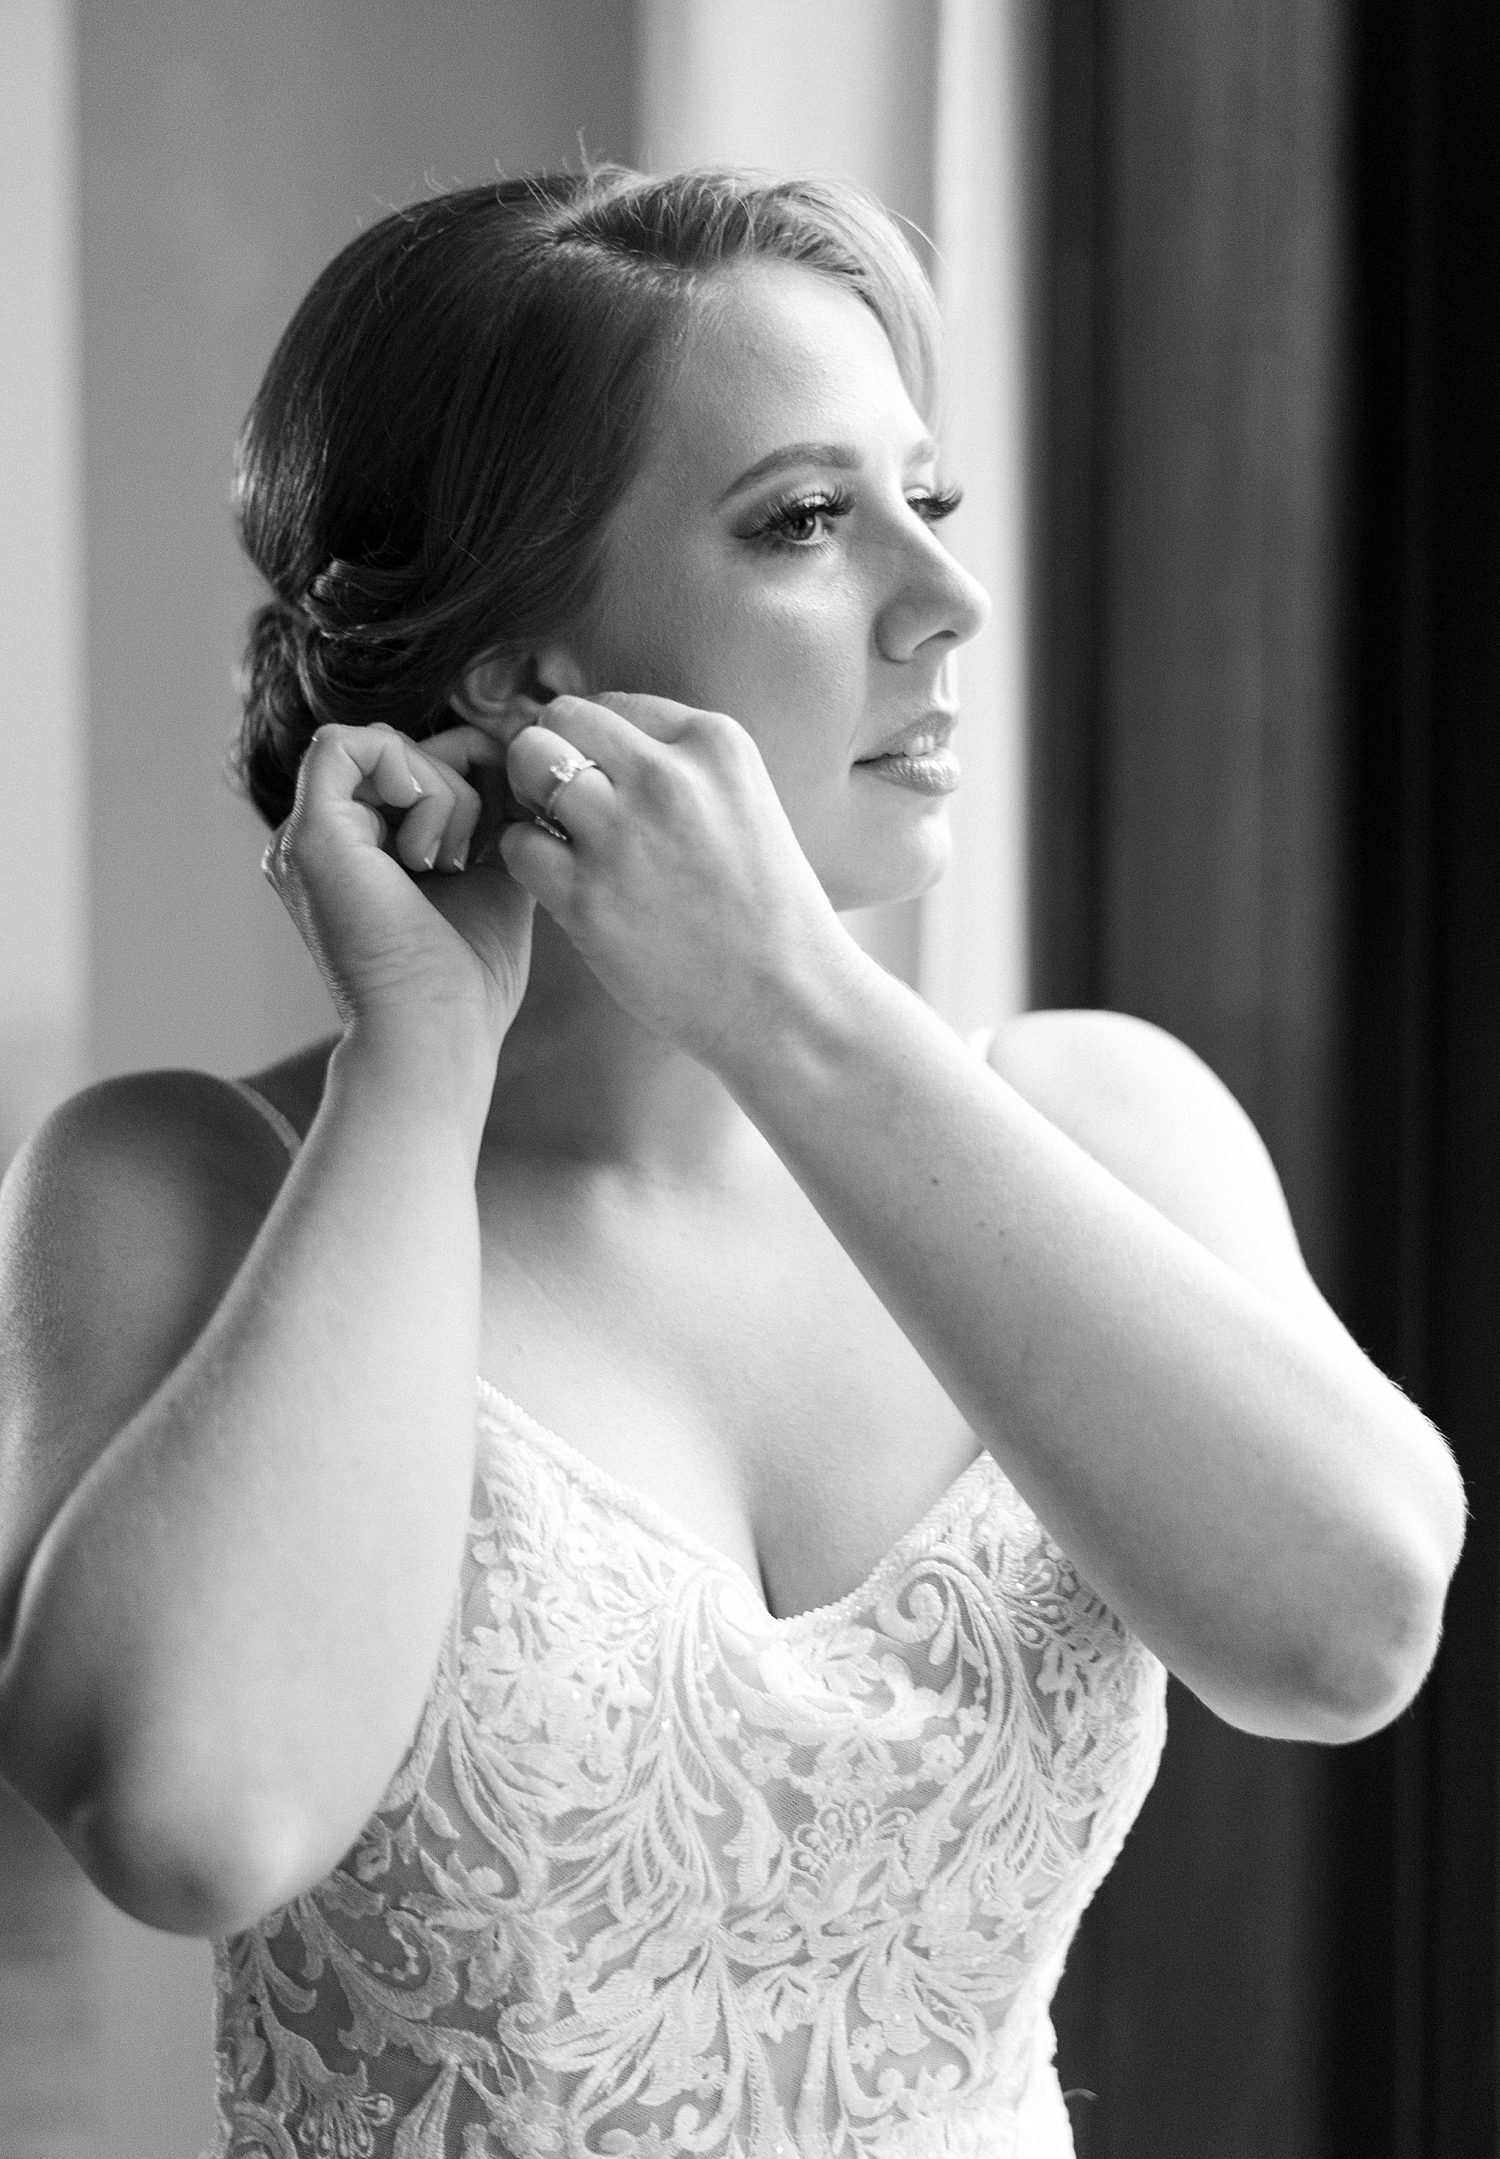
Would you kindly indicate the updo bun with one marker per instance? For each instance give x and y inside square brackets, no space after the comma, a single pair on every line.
[277,723]
[329,659]
[458,404]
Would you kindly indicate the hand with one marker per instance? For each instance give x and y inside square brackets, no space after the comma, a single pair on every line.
[680,880]
[367,866]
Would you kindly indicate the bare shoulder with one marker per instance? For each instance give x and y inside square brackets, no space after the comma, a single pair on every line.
[1151,1112]
[122,1221]
[1127,1091]
[151,1148]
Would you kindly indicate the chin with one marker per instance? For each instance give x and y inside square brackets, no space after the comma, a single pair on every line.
[893,869]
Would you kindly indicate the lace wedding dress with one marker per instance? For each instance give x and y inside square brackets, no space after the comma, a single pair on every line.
[665,1874]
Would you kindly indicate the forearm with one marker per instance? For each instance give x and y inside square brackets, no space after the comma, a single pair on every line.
[1244,1488]
[234,1619]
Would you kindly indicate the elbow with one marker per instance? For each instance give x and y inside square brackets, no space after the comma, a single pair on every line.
[1368,1661]
[179,1851]
[1374,1663]
[184,1871]
[1364,1656]
[1352,1658]
[1358,1697]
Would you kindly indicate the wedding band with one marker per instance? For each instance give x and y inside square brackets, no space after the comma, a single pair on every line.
[566,769]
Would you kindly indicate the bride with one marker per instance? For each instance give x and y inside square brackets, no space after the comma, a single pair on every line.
[702,1732]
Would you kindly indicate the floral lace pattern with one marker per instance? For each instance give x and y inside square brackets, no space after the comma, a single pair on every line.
[664,1874]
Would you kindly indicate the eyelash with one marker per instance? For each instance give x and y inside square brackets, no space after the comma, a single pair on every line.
[775,529]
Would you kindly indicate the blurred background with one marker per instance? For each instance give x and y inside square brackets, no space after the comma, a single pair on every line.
[1221,282]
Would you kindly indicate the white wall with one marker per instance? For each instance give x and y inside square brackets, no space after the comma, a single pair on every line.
[227,152]
[43,876]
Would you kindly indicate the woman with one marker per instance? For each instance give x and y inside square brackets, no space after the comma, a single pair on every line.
[715,1754]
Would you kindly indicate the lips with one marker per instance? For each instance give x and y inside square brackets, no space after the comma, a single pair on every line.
[923,737]
[917,756]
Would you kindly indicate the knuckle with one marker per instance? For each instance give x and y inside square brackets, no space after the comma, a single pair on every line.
[715,733]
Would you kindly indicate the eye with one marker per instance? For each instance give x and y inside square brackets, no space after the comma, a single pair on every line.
[800,523]
[936,503]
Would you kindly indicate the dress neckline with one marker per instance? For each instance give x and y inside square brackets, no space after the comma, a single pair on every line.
[668,1527]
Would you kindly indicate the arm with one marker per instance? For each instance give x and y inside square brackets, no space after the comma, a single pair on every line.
[236,1421]
[1144,1352]
[1161,1381]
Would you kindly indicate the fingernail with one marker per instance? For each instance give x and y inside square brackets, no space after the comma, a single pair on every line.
[430,857]
[461,856]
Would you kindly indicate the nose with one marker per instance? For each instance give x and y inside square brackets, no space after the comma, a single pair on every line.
[932,595]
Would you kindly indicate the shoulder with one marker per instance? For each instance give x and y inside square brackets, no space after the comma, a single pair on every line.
[124,1210]
[1150,1111]
[171,1136]
[1119,1085]
[121,1207]
[122,1221]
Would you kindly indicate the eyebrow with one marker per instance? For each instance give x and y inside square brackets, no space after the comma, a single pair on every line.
[840,454]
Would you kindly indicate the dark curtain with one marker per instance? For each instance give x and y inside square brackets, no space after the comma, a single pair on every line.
[1265,816]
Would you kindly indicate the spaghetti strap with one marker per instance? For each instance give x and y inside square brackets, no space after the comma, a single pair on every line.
[282,1126]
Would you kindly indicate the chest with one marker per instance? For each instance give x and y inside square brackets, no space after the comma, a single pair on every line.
[733,1367]
[664,1874]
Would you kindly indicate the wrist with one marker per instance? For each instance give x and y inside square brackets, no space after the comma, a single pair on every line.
[794,1021]
[439,1066]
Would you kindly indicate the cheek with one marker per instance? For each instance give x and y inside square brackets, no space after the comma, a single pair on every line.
[790,666]
[787,660]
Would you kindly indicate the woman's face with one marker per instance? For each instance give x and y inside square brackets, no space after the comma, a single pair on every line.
[777,558]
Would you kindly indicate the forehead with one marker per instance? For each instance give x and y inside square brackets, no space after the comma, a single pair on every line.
[777,354]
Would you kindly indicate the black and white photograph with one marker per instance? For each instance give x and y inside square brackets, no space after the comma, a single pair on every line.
[750,1079]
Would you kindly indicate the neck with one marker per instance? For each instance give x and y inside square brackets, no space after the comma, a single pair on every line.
[581,1081]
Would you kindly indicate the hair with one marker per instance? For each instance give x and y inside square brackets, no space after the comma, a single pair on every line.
[460,401]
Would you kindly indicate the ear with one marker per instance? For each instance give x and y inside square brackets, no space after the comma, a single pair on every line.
[501,692]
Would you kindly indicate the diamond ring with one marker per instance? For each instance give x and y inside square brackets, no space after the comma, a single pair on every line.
[566,769]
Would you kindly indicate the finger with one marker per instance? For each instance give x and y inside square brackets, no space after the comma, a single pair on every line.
[540,865]
[349,776]
[392,779]
[420,835]
[476,750]
[423,806]
[612,740]
[376,770]
[462,823]
[461,748]
[544,774]
[428,793]
[443,824]
[503,725]
[662,718]
[367,763]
